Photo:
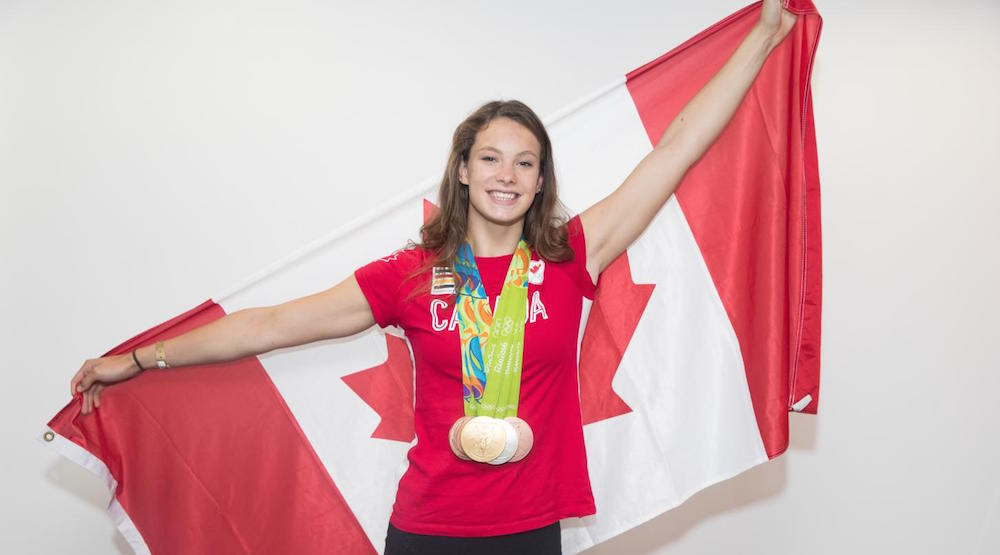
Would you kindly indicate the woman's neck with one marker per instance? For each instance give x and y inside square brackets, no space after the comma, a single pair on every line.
[490,239]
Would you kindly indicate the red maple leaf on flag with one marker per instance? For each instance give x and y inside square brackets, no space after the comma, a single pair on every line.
[388,390]
[618,306]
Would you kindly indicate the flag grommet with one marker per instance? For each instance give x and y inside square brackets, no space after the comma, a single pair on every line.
[49,436]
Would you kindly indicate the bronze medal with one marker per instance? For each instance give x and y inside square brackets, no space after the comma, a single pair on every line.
[454,436]
[525,437]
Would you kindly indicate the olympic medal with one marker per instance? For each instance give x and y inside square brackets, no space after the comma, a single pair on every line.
[453,437]
[525,437]
[483,438]
[511,444]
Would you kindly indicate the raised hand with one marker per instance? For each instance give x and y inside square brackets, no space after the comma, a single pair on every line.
[775,20]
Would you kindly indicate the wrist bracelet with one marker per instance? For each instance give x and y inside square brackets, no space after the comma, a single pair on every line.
[136,359]
[161,358]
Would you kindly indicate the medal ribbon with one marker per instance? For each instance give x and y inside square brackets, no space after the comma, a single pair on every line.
[492,344]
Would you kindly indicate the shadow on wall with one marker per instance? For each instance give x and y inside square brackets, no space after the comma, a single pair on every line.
[756,484]
[67,476]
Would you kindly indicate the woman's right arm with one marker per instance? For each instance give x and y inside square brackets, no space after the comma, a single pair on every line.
[339,311]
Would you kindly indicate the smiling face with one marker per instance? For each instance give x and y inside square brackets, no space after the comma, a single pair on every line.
[502,173]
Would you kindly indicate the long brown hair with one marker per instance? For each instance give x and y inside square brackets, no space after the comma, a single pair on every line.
[543,222]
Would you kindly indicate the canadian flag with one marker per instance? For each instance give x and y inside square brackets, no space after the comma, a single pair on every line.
[701,338]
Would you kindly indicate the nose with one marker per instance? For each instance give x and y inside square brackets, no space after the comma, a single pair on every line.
[506,174]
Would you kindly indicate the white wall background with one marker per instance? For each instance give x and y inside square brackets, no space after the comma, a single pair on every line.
[155,154]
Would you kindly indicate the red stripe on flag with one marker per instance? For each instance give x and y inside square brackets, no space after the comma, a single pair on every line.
[752,202]
[203,454]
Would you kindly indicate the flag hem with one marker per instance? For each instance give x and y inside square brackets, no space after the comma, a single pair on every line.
[96,466]
[810,185]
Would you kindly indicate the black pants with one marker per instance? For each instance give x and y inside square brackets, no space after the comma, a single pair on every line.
[540,541]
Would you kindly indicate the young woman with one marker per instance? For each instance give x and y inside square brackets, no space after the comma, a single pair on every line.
[490,299]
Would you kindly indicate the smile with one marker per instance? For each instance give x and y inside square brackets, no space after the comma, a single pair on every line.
[502,196]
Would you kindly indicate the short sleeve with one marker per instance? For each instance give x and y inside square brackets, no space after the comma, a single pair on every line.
[578,242]
[381,282]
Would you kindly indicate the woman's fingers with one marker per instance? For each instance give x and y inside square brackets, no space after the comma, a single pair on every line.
[84,377]
[75,382]
[95,375]
[88,377]
[92,398]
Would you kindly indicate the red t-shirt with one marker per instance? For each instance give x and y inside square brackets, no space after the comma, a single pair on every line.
[441,494]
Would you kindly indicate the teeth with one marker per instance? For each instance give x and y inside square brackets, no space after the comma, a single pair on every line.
[502,196]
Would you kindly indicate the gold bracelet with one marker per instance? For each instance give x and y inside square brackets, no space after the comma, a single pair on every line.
[161,359]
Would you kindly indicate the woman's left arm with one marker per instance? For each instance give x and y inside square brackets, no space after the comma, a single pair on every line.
[613,223]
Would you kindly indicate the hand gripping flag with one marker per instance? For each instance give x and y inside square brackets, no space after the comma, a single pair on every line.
[701,338]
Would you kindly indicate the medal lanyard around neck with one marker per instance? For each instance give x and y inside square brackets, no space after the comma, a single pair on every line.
[491,384]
